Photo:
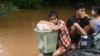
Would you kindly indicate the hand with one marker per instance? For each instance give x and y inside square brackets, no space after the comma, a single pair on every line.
[85,15]
[56,53]
[73,46]
[50,23]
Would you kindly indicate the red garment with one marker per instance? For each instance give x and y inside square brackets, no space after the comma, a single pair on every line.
[64,38]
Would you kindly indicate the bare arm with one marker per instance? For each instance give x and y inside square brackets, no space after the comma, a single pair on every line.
[85,15]
[51,25]
[77,26]
[54,27]
[91,25]
[44,22]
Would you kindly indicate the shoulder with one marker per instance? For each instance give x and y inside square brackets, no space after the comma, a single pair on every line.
[71,18]
[85,19]
[60,20]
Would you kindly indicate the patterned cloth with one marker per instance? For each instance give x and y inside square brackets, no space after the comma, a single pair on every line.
[64,40]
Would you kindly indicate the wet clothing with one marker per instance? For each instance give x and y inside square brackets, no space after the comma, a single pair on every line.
[83,22]
[64,38]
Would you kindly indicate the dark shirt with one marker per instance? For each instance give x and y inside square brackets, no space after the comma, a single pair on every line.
[83,21]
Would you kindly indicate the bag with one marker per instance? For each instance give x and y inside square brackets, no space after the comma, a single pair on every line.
[97,41]
[85,42]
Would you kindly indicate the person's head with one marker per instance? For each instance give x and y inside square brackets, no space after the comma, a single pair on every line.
[95,10]
[80,8]
[53,17]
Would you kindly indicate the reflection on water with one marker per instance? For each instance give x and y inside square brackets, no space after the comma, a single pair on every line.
[17,37]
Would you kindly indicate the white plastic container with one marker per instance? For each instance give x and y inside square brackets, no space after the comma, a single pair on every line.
[47,41]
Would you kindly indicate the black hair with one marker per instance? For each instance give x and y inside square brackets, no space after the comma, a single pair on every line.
[53,13]
[96,8]
[79,6]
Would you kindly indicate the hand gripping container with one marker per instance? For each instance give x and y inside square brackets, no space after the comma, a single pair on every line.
[47,40]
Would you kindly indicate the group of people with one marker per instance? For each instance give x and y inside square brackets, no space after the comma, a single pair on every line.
[78,24]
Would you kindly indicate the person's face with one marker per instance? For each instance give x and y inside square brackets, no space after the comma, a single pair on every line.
[80,11]
[93,12]
[53,19]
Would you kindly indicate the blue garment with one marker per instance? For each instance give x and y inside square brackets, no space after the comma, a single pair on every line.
[96,25]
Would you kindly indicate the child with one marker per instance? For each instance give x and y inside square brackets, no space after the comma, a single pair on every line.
[78,24]
[96,26]
[96,18]
[64,40]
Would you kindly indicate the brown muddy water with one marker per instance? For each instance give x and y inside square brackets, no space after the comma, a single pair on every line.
[17,37]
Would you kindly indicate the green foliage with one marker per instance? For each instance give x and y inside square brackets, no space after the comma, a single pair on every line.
[54,2]
[27,4]
[32,4]
[7,7]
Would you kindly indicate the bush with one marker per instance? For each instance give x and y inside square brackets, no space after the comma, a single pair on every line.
[7,7]
[27,4]
[54,2]
[31,4]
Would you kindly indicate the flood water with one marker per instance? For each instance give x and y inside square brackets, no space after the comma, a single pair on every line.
[17,37]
